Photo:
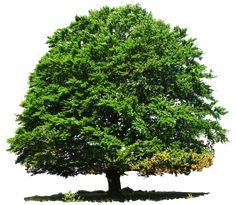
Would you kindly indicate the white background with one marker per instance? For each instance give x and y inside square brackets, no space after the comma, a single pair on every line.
[24,27]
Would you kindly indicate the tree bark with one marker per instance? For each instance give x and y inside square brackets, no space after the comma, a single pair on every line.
[114,185]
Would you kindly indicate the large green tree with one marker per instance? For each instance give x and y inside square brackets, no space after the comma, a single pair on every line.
[119,91]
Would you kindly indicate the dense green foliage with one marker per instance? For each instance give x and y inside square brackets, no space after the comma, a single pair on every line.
[119,90]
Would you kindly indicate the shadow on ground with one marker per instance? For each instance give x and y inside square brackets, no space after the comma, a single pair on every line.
[127,195]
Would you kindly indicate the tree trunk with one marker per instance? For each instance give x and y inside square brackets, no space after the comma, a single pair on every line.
[114,185]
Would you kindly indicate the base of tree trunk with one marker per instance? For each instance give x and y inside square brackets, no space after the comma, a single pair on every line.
[114,185]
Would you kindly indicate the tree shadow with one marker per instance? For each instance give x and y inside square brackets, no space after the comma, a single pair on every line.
[126,195]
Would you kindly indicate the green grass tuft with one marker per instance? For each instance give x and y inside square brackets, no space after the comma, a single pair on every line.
[127,194]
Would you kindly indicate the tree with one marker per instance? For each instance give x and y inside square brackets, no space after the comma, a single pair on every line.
[119,91]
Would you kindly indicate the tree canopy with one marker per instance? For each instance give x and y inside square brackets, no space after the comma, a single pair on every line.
[119,91]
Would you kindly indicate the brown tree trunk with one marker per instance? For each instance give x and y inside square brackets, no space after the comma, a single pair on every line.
[114,185]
